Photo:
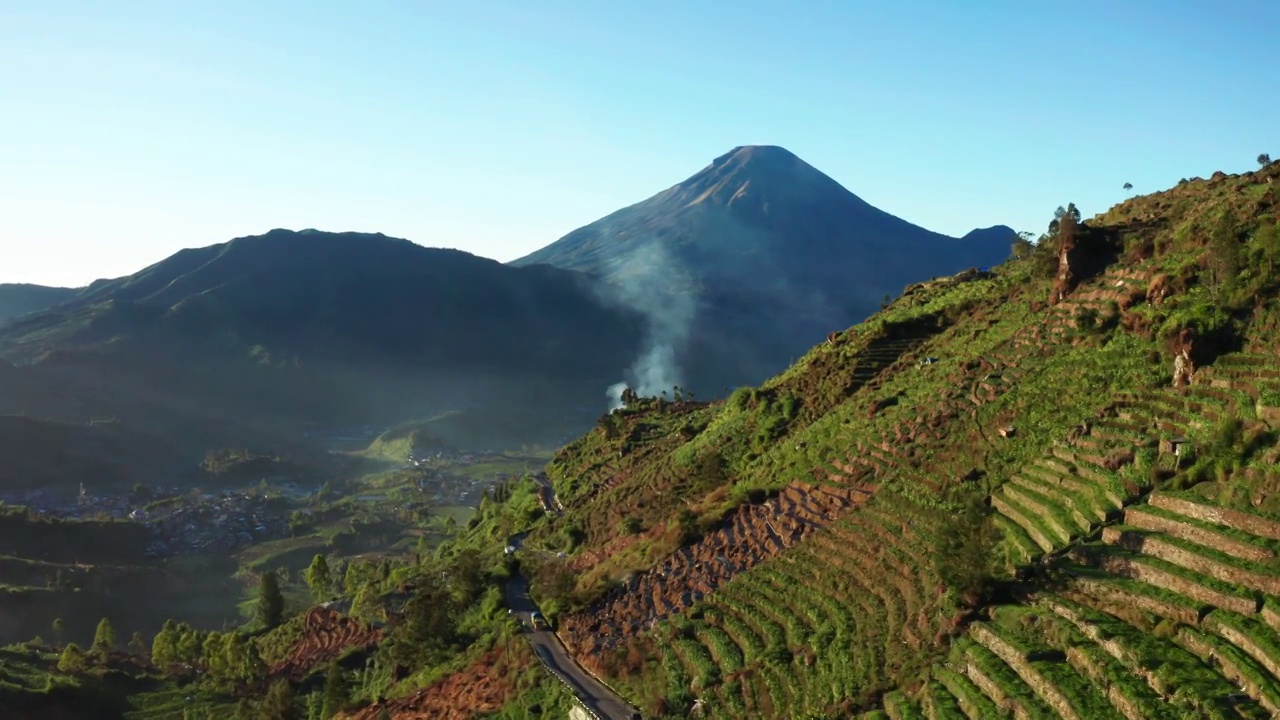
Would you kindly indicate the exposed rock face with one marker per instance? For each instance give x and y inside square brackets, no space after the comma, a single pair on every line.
[1083,252]
[1183,366]
[1064,280]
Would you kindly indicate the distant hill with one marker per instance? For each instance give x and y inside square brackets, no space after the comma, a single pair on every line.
[43,454]
[17,300]
[275,332]
[743,266]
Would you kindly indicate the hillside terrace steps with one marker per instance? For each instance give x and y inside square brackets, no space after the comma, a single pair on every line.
[898,707]
[1019,516]
[1259,525]
[1177,676]
[1003,687]
[1043,507]
[1082,510]
[1108,592]
[1164,575]
[973,702]
[1017,659]
[1191,556]
[1128,694]
[1019,542]
[1235,665]
[1152,518]
[1257,640]
[938,703]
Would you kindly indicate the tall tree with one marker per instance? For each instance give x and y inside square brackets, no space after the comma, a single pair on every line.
[1266,244]
[59,631]
[279,703]
[104,639]
[72,659]
[1223,256]
[335,690]
[137,644]
[1128,186]
[318,577]
[1021,246]
[366,605]
[1264,159]
[164,648]
[270,608]
[467,576]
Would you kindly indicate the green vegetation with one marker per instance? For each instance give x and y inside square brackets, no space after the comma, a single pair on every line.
[1042,490]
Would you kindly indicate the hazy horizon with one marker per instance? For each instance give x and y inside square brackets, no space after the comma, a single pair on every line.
[137,129]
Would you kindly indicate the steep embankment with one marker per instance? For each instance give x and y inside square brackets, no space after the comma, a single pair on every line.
[824,544]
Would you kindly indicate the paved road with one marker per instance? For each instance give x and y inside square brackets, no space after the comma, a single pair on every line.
[591,692]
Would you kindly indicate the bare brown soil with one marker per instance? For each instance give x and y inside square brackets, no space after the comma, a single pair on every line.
[753,534]
[327,635]
[468,693]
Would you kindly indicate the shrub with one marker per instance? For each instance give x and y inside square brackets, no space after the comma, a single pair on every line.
[629,526]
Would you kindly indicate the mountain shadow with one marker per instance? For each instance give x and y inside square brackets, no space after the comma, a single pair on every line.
[267,335]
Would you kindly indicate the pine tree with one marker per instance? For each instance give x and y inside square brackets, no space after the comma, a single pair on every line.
[104,639]
[59,631]
[72,659]
[137,644]
[366,605]
[164,648]
[188,645]
[1266,243]
[335,690]
[270,600]
[212,656]
[1223,257]
[279,703]
[318,577]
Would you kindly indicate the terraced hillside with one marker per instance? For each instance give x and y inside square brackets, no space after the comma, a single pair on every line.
[972,505]
[1043,490]
[325,636]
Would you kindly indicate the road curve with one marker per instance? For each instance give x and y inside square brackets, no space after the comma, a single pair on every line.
[547,645]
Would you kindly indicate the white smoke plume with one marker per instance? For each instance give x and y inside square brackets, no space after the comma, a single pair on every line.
[651,284]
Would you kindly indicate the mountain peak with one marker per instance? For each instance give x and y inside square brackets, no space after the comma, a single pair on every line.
[755,176]
[757,153]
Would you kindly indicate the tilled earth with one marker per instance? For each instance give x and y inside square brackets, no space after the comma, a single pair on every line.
[327,635]
[474,691]
[754,534]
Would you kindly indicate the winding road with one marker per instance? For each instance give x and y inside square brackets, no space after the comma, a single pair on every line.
[547,645]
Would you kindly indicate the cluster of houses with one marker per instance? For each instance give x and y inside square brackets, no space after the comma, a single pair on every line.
[186,523]
[222,523]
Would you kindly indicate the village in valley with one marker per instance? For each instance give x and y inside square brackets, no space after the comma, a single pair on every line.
[227,520]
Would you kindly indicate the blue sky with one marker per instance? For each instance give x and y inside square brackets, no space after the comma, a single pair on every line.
[131,130]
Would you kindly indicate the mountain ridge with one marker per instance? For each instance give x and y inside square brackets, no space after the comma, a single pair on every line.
[19,299]
[312,323]
[764,246]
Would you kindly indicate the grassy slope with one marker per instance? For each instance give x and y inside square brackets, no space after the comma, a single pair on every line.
[869,611]
[641,466]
